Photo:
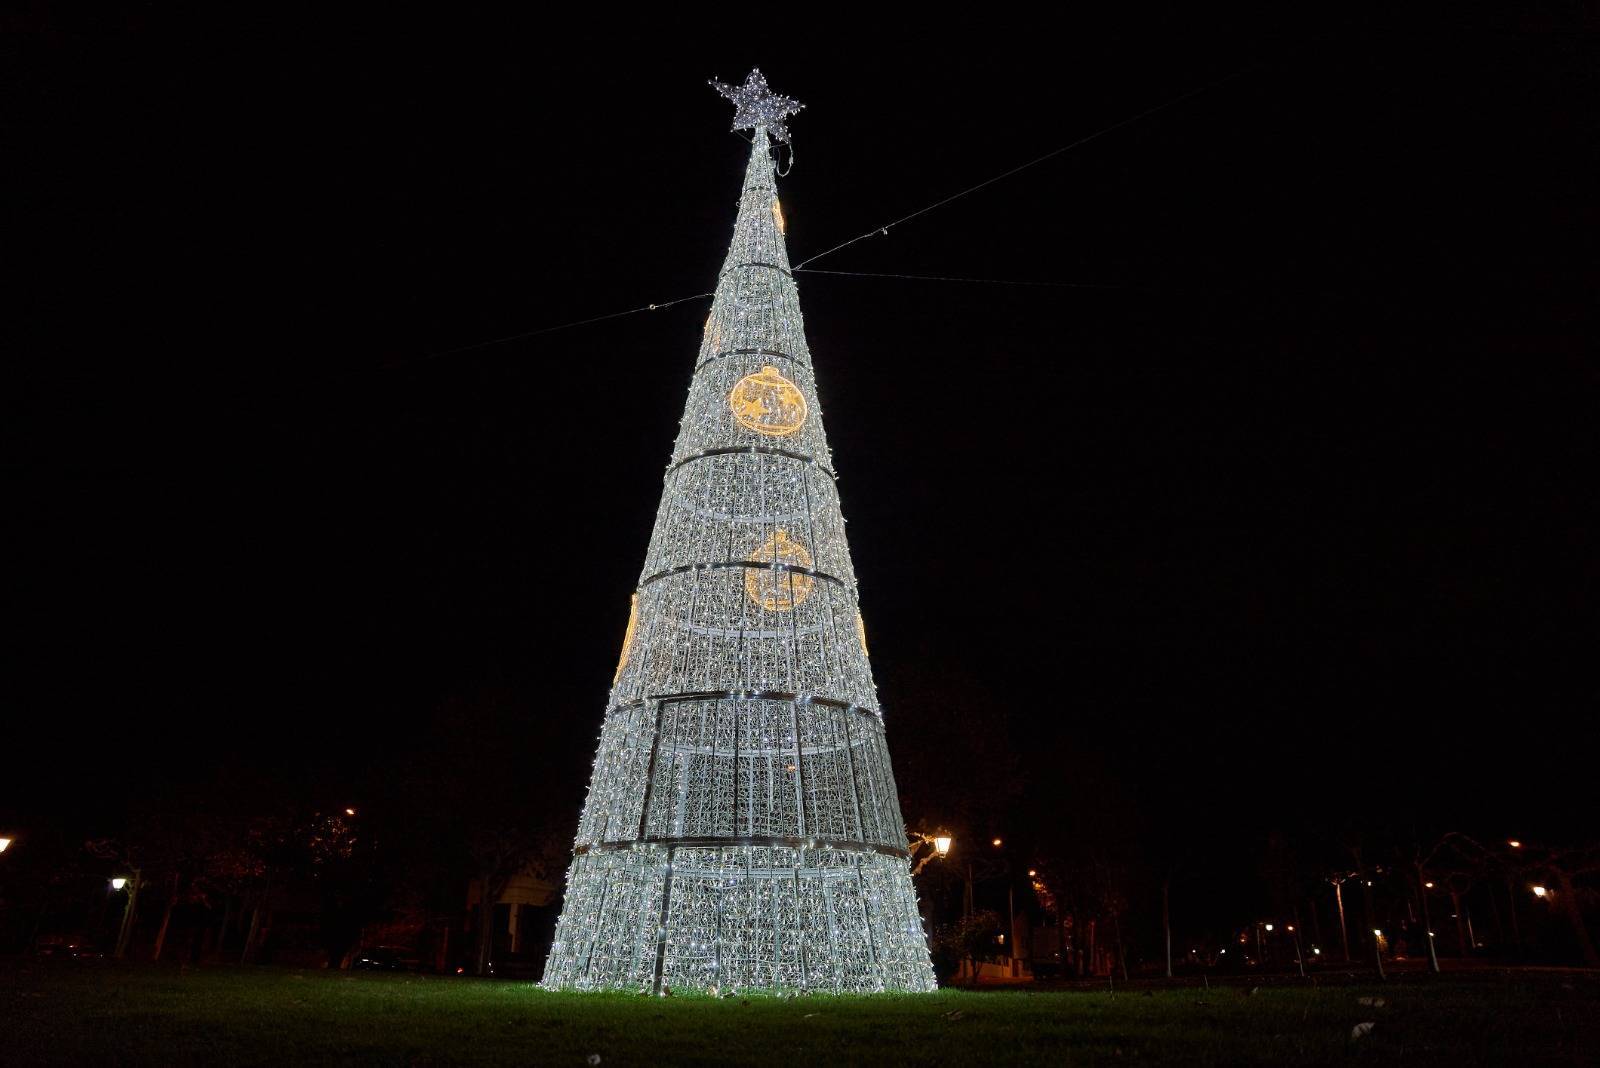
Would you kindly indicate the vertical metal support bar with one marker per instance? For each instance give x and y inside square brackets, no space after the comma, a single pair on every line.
[799,919]
[869,750]
[850,762]
[661,931]
[599,925]
[650,768]
[733,781]
[866,918]
[777,936]
[833,924]
[799,769]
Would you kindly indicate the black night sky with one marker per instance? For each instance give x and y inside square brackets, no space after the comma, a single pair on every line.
[1282,515]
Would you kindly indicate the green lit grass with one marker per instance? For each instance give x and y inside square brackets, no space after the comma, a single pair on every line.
[103,1013]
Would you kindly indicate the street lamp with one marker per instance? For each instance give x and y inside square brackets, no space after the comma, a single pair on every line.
[997,843]
[1514,844]
[1540,891]
[5,844]
[940,844]
[118,883]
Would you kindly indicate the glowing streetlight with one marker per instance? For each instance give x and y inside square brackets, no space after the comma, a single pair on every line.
[1377,932]
[1033,873]
[1514,844]
[1540,891]
[349,812]
[1269,926]
[1428,885]
[5,844]
[118,883]
[997,843]
[941,844]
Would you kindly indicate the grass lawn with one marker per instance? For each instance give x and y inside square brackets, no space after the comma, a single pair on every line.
[64,1013]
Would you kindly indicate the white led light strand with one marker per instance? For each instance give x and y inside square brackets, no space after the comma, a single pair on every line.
[742,829]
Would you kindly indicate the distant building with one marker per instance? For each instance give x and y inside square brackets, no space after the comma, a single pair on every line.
[524,923]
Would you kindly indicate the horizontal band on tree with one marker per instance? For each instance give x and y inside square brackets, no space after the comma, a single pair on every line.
[744,565]
[716,843]
[746,695]
[759,450]
[751,352]
[756,263]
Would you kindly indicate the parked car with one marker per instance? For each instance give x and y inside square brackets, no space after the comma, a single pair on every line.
[385,959]
[67,947]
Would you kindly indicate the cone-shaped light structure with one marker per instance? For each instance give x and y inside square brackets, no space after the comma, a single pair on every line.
[742,830]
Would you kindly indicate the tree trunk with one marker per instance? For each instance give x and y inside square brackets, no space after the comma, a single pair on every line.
[1516,924]
[1461,929]
[1427,922]
[257,916]
[1372,917]
[486,898]
[1299,953]
[1569,905]
[1344,931]
[1166,920]
[250,934]
[1122,955]
[130,913]
[166,917]
[221,948]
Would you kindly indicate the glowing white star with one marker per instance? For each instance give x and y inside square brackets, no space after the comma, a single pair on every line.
[759,106]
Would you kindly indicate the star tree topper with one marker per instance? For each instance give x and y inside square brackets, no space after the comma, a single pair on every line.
[759,106]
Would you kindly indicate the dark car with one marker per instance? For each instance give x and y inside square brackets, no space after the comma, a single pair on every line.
[385,959]
[70,947]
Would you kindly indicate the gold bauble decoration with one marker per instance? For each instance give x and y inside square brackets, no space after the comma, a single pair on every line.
[772,589]
[768,403]
[627,638]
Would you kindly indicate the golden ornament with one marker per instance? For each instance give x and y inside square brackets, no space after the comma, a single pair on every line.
[861,632]
[772,589]
[627,638]
[777,217]
[768,403]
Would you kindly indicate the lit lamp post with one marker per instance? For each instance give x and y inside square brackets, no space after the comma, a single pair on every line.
[938,846]
[5,844]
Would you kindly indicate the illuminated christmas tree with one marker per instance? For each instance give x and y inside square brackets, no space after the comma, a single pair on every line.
[742,830]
